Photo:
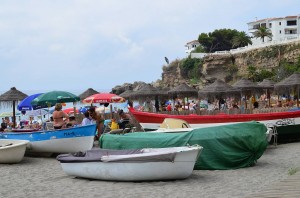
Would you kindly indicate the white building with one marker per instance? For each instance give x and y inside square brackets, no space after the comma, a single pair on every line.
[190,46]
[282,28]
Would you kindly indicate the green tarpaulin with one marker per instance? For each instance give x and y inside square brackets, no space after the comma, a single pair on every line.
[224,147]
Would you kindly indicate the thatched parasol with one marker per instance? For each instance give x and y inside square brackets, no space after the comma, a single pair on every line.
[127,94]
[247,88]
[183,90]
[245,85]
[218,89]
[148,91]
[87,93]
[12,95]
[268,85]
[291,83]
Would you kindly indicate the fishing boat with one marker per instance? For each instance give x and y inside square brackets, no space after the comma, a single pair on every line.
[287,124]
[132,165]
[67,140]
[12,151]
[226,147]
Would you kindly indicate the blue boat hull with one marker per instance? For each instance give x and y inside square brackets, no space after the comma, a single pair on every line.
[58,141]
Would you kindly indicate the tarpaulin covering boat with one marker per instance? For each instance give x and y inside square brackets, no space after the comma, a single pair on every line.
[224,147]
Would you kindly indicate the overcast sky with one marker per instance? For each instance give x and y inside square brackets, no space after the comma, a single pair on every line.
[73,45]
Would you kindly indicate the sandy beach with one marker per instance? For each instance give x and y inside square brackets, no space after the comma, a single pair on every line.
[43,177]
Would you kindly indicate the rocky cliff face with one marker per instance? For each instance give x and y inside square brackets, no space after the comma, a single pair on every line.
[219,66]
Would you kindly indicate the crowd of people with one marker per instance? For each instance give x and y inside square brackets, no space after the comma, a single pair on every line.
[62,120]
[253,102]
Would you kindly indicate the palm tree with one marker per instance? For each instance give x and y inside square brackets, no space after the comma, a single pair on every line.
[241,40]
[262,32]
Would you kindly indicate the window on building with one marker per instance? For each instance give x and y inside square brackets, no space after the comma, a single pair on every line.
[289,31]
[293,22]
[279,31]
[256,26]
[270,25]
[263,25]
[279,23]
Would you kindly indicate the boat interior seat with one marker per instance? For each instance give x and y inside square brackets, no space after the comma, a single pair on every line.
[116,131]
[174,123]
[120,131]
[49,126]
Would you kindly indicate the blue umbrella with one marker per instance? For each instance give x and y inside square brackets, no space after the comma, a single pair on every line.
[25,105]
[83,109]
[168,102]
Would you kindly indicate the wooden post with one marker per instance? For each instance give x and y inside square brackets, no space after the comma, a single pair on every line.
[269,97]
[297,96]
[14,114]
[111,112]
[74,109]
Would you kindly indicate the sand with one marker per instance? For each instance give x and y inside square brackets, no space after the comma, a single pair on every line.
[43,177]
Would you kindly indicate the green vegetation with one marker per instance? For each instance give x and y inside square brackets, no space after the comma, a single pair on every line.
[286,69]
[190,68]
[259,75]
[262,32]
[232,71]
[223,39]
[293,171]
[241,40]
[199,49]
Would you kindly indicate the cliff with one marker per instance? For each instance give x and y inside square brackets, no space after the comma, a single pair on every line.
[223,66]
[227,67]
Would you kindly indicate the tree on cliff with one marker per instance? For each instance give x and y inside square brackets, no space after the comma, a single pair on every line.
[263,32]
[222,39]
[241,40]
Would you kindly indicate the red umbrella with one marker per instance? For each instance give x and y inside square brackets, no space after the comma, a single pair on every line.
[70,110]
[103,98]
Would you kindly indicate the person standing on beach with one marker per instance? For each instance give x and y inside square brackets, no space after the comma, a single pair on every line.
[87,120]
[98,119]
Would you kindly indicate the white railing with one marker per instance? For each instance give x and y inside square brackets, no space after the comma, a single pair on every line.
[269,43]
[251,47]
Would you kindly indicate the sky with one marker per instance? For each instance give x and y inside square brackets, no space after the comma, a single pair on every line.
[73,45]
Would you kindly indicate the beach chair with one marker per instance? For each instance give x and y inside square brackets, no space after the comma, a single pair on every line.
[272,133]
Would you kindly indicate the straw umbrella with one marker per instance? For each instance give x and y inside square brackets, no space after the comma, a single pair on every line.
[148,92]
[87,93]
[183,90]
[218,89]
[12,95]
[247,87]
[127,94]
[268,85]
[289,84]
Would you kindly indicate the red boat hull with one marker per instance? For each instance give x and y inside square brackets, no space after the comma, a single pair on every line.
[197,120]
